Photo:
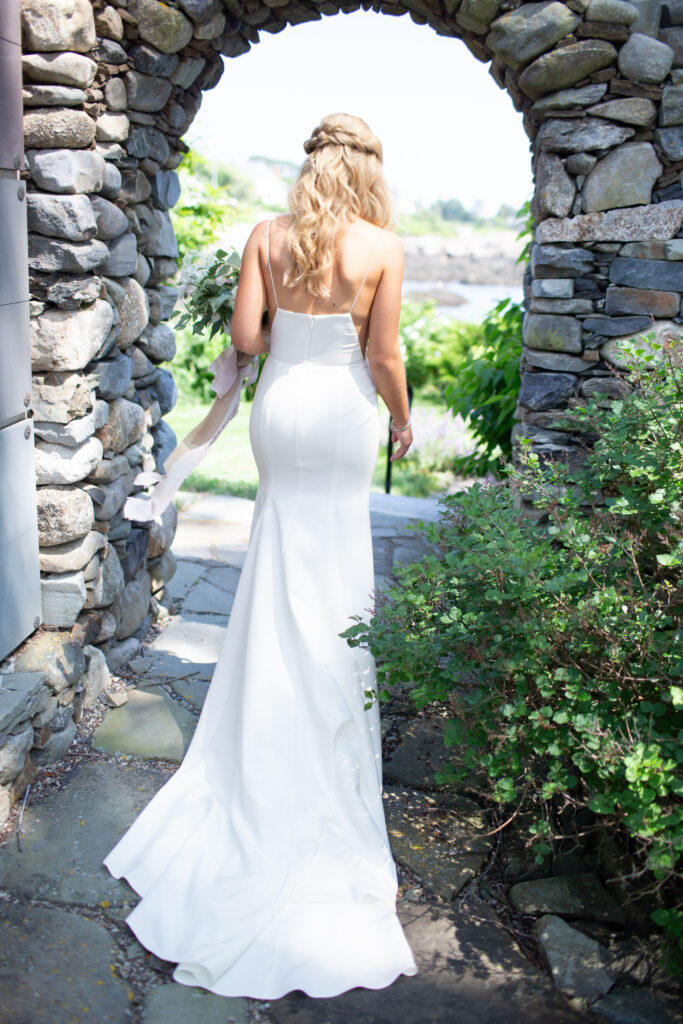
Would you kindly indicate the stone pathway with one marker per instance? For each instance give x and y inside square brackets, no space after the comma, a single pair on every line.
[66,955]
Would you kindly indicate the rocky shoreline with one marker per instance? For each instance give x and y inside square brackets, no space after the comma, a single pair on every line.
[471,256]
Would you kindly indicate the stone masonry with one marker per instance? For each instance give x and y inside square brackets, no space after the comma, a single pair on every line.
[109,90]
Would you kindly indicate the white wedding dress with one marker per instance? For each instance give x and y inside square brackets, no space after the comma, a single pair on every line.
[263,863]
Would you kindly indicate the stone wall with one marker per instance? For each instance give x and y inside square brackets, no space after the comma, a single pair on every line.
[110,88]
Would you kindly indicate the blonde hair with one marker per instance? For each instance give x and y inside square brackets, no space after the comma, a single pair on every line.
[343,176]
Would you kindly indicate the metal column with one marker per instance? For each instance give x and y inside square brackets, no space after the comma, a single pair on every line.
[20,607]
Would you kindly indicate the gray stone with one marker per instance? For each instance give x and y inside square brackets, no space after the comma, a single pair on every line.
[632,110]
[673,37]
[133,312]
[161,570]
[121,654]
[109,469]
[673,250]
[165,441]
[520,35]
[165,189]
[548,261]
[411,819]
[108,24]
[57,659]
[166,391]
[579,895]
[76,430]
[611,387]
[67,340]
[37,947]
[671,106]
[159,236]
[150,724]
[616,11]
[670,140]
[111,185]
[646,301]
[165,28]
[571,307]
[546,390]
[109,583]
[62,858]
[109,497]
[615,326]
[188,71]
[17,692]
[568,99]
[631,1005]
[63,596]
[110,220]
[647,22]
[188,645]
[125,425]
[72,556]
[476,15]
[577,963]
[55,127]
[563,135]
[66,170]
[142,270]
[566,66]
[59,398]
[112,127]
[142,367]
[61,25]
[58,254]
[72,292]
[162,300]
[644,59]
[158,343]
[71,69]
[555,190]
[122,258]
[13,751]
[666,275]
[63,515]
[96,679]
[61,464]
[180,1004]
[580,163]
[145,141]
[552,287]
[132,605]
[624,177]
[556,361]
[114,375]
[162,531]
[147,92]
[115,95]
[151,62]
[110,52]
[552,333]
[612,350]
[52,96]
[658,221]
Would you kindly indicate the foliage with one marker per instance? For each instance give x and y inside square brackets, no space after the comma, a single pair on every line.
[433,347]
[210,285]
[556,645]
[202,208]
[484,391]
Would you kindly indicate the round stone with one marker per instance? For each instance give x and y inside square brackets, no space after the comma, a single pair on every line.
[643,59]
[63,515]
[55,127]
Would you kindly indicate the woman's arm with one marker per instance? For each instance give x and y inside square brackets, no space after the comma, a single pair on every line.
[384,353]
[251,299]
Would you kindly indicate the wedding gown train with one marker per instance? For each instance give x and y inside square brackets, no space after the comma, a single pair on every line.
[264,863]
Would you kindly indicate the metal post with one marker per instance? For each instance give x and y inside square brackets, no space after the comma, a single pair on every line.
[19,560]
[387,478]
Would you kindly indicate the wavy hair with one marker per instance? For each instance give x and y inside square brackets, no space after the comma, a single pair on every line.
[342,177]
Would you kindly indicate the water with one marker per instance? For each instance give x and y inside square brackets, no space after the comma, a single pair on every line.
[480,298]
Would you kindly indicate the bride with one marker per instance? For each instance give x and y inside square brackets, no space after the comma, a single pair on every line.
[263,863]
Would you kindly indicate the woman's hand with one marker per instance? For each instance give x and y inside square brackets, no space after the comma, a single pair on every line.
[404,438]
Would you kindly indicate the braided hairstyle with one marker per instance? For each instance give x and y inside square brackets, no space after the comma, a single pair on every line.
[342,178]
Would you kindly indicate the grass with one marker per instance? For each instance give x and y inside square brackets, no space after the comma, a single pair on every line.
[229,466]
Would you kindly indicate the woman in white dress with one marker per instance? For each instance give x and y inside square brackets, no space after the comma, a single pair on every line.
[263,863]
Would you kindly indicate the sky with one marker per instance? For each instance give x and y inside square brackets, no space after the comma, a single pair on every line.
[447,129]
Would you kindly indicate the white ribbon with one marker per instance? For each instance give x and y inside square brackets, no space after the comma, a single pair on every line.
[229,377]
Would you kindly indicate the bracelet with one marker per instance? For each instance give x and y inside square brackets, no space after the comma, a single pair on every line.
[399,429]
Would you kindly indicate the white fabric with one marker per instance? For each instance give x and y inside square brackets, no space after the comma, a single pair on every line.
[264,863]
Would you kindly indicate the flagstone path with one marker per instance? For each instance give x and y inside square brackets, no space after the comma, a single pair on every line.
[66,955]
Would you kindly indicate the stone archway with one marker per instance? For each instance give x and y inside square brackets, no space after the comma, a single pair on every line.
[109,89]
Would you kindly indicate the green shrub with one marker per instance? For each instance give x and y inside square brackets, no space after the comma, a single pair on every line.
[434,347]
[484,390]
[557,646]
[202,209]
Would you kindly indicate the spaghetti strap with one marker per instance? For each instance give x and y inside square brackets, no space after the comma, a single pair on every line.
[269,266]
[366,272]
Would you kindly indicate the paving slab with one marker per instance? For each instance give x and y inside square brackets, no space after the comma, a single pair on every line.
[445,847]
[220,508]
[183,1004]
[149,724]
[400,506]
[67,834]
[205,598]
[421,753]
[189,643]
[186,575]
[192,690]
[469,972]
[55,968]
[225,577]
[223,543]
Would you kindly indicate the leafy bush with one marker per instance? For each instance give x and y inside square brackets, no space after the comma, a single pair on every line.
[556,645]
[434,347]
[202,208]
[484,391]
